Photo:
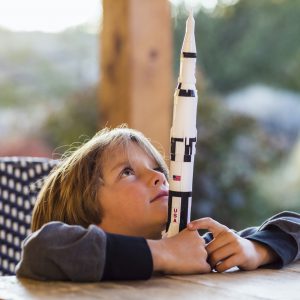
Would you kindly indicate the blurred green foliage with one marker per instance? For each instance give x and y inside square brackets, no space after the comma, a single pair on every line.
[76,122]
[231,151]
[251,41]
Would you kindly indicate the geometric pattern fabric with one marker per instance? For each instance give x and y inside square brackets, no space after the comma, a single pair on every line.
[21,178]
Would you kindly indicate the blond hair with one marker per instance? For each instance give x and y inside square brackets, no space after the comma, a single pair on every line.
[70,193]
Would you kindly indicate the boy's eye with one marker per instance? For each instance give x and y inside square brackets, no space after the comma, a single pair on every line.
[159,169]
[127,172]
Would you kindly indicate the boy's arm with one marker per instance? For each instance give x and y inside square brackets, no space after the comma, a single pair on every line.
[136,258]
[281,233]
[62,252]
[275,243]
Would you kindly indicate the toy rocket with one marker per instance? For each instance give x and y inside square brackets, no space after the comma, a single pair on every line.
[183,136]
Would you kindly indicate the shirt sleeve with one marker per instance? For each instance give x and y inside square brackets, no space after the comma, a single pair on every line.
[62,252]
[289,223]
[69,252]
[127,258]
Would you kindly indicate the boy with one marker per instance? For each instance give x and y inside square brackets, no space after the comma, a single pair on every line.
[113,194]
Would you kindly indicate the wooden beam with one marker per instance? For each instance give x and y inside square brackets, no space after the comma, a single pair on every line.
[136,67]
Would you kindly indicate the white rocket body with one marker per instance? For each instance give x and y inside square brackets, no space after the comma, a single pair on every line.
[183,136]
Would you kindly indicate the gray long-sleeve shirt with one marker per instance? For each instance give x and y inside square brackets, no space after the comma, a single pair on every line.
[68,252]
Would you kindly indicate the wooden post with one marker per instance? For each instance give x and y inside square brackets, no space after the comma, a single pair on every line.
[136,67]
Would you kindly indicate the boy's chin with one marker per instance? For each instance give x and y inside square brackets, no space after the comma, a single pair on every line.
[158,233]
[161,234]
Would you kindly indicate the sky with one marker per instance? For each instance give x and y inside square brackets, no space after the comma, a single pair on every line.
[57,15]
[47,15]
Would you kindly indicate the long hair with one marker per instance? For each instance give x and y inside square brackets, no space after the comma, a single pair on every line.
[71,192]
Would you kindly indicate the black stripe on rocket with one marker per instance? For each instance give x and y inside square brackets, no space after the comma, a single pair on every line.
[184,93]
[172,217]
[189,54]
[188,148]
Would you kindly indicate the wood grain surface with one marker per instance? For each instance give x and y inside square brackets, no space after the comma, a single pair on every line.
[259,284]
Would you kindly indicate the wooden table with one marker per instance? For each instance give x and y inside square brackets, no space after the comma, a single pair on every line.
[260,284]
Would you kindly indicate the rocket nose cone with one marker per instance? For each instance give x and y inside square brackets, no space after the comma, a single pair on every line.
[189,44]
[190,23]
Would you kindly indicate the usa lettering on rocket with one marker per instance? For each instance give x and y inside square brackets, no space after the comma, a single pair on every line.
[183,136]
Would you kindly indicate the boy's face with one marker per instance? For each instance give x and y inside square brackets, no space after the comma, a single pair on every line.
[134,196]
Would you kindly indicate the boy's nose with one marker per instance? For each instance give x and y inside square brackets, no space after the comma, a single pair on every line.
[158,178]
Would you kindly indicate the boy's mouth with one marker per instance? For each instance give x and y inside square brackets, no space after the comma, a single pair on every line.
[159,195]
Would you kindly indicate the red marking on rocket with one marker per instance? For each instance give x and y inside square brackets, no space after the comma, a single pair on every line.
[176,177]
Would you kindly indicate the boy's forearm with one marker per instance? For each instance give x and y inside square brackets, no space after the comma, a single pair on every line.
[280,243]
[281,233]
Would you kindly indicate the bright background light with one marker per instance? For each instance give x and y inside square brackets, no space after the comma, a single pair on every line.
[208,5]
[47,15]
[57,15]
[196,4]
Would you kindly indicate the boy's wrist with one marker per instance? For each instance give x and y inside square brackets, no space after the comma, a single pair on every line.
[265,254]
[157,252]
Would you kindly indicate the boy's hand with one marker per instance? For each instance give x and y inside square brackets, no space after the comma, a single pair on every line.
[228,250]
[183,253]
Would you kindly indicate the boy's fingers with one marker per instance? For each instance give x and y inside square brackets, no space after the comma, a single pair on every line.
[208,224]
[227,264]
[221,254]
[224,238]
